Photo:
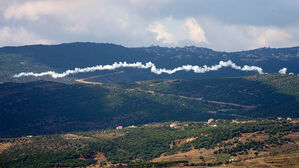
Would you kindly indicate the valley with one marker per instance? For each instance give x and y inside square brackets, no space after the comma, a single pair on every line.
[43,107]
[135,118]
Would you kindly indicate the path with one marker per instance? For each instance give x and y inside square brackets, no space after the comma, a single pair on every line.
[83,80]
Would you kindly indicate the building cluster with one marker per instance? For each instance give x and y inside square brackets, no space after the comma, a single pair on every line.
[121,127]
[288,118]
[211,122]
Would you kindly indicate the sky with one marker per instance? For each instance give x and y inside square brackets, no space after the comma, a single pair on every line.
[223,25]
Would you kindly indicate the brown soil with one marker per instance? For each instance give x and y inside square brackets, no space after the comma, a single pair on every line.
[283,160]
[278,161]
[179,142]
[192,156]
[108,135]
[4,146]
[84,80]
[87,82]
[73,136]
[294,136]
[100,157]
[253,136]
[288,157]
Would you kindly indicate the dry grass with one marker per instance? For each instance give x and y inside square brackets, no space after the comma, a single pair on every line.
[179,142]
[288,157]
[279,161]
[87,82]
[283,160]
[100,157]
[74,136]
[193,156]
[108,134]
[4,146]
[253,136]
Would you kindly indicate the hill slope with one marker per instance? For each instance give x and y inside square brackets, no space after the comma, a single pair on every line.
[38,58]
[43,107]
[190,144]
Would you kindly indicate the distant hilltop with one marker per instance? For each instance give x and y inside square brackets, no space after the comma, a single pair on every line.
[61,57]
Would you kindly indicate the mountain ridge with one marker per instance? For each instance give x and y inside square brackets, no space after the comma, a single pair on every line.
[40,58]
[150,46]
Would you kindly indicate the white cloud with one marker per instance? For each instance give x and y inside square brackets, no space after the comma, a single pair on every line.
[19,36]
[137,23]
[196,33]
[31,10]
[162,34]
[231,37]
[267,36]
[76,28]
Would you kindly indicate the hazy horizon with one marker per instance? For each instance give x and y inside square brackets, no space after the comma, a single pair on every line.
[220,25]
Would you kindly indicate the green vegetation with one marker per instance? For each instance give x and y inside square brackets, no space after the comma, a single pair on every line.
[61,57]
[13,63]
[158,164]
[222,158]
[138,146]
[48,107]
[287,84]
[42,107]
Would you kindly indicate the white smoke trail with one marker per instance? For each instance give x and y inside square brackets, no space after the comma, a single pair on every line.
[283,71]
[154,69]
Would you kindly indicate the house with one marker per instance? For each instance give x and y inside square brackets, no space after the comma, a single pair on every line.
[289,118]
[210,120]
[119,127]
[132,126]
[173,125]
[214,125]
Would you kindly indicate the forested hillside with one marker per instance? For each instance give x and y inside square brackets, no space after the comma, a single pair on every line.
[188,144]
[43,107]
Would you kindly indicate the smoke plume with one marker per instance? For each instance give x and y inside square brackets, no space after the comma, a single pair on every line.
[283,71]
[153,68]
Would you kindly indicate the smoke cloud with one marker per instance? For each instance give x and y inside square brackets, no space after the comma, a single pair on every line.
[283,71]
[153,68]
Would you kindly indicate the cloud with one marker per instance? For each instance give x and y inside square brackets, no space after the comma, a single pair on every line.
[135,23]
[162,34]
[267,36]
[19,36]
[32,10]
[277,13]
[231,37]
[196,33]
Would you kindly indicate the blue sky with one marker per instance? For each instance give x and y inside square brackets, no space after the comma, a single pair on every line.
[226,25]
